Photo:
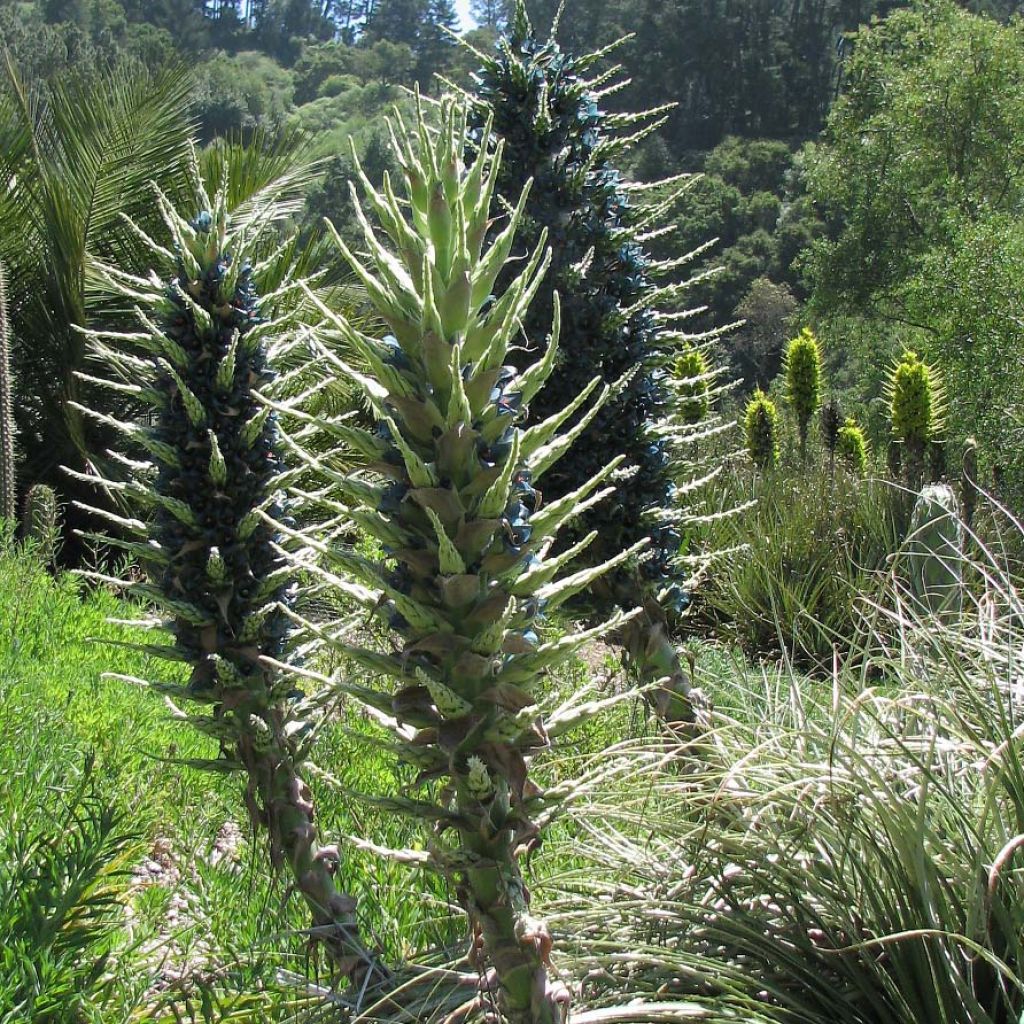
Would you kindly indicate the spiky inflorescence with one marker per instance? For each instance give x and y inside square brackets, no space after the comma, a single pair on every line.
[41,522]
[207,504]
[467,570]
[761,429]
[831,423]
[803,381]
[693,378]
[545,107]
[915,405]
[852,447]
[8,488]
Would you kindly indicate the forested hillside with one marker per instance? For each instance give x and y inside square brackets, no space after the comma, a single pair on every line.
[750,84]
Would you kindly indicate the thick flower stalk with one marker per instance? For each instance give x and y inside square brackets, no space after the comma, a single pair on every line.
[802,366]
[761,427]
[204,518]
[544,103]
[451,493]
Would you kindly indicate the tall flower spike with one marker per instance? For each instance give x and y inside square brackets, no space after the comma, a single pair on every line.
[8,489]
[544,104]
[803,382]
[453,500]
[209,510]
[915,402]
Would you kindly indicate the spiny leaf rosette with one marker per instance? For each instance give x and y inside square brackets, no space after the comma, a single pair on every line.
[468,571]
[207,510]
[545,107]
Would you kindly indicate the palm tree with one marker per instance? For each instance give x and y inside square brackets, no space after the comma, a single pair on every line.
[75,158]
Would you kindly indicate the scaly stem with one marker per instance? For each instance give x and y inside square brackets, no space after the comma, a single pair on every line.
[516,944]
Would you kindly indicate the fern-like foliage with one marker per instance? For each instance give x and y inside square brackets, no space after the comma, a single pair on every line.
[61,893]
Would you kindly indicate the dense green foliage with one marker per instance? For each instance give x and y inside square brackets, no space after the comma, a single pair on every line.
[920,177]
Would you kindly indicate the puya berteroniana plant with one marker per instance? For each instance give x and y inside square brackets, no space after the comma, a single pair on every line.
[467,570]
[544,103]
[202,497]
[761,428]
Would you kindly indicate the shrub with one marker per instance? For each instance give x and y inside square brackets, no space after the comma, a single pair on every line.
[810,550]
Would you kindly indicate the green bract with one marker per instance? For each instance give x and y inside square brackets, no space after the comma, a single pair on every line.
[467,570]
[911,403]
[761,428]
[693,376]
[915,403]
[207,515]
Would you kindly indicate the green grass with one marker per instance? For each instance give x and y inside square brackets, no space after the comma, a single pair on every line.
[830,851]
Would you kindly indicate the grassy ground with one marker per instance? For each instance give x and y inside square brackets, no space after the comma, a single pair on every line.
[840,850]
[196,897]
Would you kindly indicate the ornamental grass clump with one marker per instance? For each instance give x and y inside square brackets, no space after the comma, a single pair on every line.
[802,367]
[202,497]
[544,103]
[761,428]
[467,571]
